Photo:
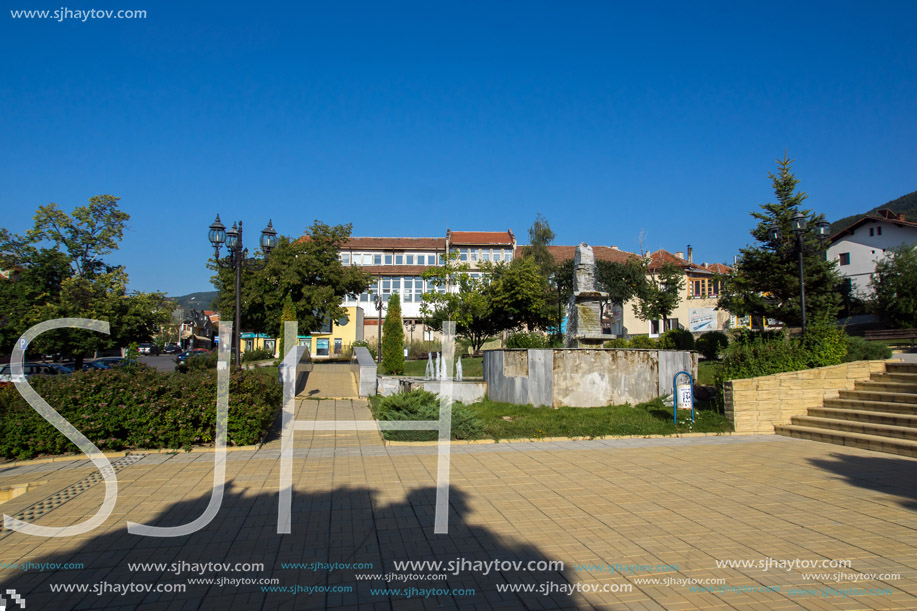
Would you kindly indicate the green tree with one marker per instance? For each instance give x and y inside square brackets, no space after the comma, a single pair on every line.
[895,286]
[540,237]
[660,293]
[307,269]
[62,273]
[393,338]
[288,314]
[765,280]
[519,295]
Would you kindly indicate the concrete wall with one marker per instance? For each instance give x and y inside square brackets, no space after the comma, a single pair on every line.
[582,377]
[464,392]
[755,405]
[363,368]
[520,376]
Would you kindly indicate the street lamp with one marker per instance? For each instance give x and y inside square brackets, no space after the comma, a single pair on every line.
[411,328]
[380,303]
[236,259]
[798,224]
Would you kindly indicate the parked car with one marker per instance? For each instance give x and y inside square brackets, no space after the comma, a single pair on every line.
[189,353]
[32,369]
[114,361]
[148,349]
[89,365]
[171,349]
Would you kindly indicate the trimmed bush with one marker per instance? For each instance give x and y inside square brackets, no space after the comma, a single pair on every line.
[643,342]
[618,342]
[260,354]
[121,409]
[711,343]
[858,349]
[677,339]
[423,405]
[521,339]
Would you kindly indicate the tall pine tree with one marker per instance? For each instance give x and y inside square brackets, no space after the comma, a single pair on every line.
[765,279]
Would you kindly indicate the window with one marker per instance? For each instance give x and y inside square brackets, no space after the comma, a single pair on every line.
[409,259]
[338,345]
[463,254]
[507,254]
[485,254]
[878,230]
[844,258]
[345,258]
[698,288]
[714,287]
[388,259]
[474,254]
[377,259]
[654,328]
[431,259]
[399,259]
[496,255]
[871,230]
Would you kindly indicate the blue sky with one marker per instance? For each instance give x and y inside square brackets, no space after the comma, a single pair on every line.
[405,118]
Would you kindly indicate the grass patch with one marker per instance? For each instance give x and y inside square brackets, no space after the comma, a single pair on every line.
[492,420]
[508,421]
[706,372]
[472,367]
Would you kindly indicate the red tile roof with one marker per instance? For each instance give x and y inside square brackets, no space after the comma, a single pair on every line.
[662,257]
[371,243]
[718,268]
[884,215]
[601,253]
[480,237]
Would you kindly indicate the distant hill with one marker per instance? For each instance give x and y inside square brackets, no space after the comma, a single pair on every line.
[196,301]
[906,204]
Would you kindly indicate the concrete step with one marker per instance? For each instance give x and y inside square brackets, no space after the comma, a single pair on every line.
[878,395]
[868,428]
[899,367]
[890,407]
[883,386]
[900,377]
[857,415]
[904,447]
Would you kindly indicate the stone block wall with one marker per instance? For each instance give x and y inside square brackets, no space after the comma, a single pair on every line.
[755,405]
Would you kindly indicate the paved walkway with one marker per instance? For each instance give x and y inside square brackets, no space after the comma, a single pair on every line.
[618,514]
[330,380]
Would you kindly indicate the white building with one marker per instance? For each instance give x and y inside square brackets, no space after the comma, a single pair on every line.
[859,247]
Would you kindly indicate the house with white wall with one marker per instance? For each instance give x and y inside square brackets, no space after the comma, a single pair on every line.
[860,246]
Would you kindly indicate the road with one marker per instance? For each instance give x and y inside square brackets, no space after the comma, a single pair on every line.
[162,362]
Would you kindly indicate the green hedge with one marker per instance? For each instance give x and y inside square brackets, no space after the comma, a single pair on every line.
[858,349]
[423,405]
[522,339]
[711,344]
[138,408]
[677,339]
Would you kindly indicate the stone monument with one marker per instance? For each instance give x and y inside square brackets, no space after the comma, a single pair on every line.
[584,310]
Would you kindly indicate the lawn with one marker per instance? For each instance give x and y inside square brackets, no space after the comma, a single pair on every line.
[508,421]
[491,420]
[472,367]
[706,370]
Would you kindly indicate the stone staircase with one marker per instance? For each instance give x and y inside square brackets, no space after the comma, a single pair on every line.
[879,415]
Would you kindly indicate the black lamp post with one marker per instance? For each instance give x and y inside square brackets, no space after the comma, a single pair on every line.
[380,303]
[411,328]
[798,225]
[236,259]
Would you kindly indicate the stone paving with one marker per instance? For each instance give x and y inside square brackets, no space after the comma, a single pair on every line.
[618,514]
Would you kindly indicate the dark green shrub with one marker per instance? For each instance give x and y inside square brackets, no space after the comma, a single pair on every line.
[618,342]
[858,349]
[138,408]
[423,405]
[677,339]
[521,339]
[643,342]
[199,362]
[711,343]
[261,354]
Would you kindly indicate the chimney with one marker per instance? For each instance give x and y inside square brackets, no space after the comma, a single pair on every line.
[900,216]
[614,248]
[690,254]
[679,254]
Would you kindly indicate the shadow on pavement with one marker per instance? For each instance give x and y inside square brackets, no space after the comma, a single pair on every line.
[895,476]
[347,525]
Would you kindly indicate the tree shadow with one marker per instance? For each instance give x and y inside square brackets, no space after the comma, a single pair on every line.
[895,476]
[346,525]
